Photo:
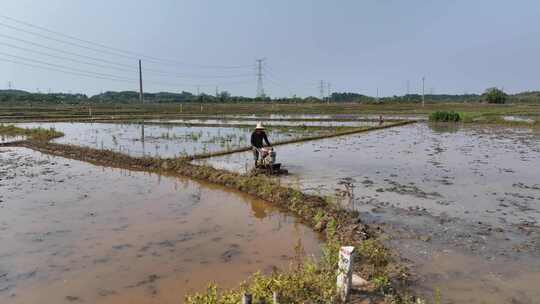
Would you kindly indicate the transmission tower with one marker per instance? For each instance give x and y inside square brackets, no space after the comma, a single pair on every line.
[141,94]
[321,89]
[408,88]
[10,85]
[329,90]
[423,91]
[260,88]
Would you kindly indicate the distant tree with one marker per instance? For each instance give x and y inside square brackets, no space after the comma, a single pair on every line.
[224,96]
[495,95]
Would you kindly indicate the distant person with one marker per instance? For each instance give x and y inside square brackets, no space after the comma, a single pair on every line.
[381,120]
[257,138]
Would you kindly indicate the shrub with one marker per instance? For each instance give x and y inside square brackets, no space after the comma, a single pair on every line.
[445,116]
[495,95]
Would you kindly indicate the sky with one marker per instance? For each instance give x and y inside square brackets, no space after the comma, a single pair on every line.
[368,46]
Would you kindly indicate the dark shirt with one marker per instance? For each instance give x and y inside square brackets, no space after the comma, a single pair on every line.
[257,138]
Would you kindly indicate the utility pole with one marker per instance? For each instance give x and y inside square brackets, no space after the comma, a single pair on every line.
[423,88]
[198,90]
[377,94]
[321,89]
[328,87]
[141,95]
[408,88]
[217,92]
[260,88]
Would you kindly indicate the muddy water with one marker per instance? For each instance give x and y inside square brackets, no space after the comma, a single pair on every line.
[77,233]
[448,196]
[157,140]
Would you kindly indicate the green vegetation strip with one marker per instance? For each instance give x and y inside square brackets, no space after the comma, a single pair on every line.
[445,116]
[304,139]
[306,281]
[40,134]
[481,118]
[64,111]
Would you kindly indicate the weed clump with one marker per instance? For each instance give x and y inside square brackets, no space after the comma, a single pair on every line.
[39,134]
[445,116]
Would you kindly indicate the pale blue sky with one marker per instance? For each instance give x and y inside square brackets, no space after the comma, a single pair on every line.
[459,45]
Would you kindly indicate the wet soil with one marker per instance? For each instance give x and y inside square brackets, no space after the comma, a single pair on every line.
[448,197]
[73,232]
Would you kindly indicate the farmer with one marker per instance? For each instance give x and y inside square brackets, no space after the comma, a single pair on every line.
[257,138]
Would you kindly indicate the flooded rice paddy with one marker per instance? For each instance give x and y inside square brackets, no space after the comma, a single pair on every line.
[72,232]
[319,117]
[267,122]
[460,202]
[162,140]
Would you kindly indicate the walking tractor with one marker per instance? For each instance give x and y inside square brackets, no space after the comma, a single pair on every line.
[265,156]
[266,162]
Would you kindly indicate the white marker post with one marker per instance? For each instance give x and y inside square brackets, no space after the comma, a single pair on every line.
[247,298]
[275,297]
[344,278]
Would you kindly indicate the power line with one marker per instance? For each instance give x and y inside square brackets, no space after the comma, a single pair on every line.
[104,48]
[116,66]
[65,58]
[66,42]
[94,74]
[65,67]
[60,66]
[63,51]
[270,72]
[60,70]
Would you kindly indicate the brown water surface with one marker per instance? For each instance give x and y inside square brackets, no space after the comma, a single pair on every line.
[72,232]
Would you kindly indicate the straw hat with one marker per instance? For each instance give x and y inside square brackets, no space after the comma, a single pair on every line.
[259,126]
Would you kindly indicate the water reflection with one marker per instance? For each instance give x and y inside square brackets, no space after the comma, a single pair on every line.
[78,232]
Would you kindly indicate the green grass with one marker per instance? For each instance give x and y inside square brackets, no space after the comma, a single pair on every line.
[40,134]
[445,116]
[173,110]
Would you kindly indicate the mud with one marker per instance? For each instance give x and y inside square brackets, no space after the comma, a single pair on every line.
[467,195]
[72,232]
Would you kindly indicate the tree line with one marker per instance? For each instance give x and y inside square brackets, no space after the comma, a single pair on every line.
[491,95]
